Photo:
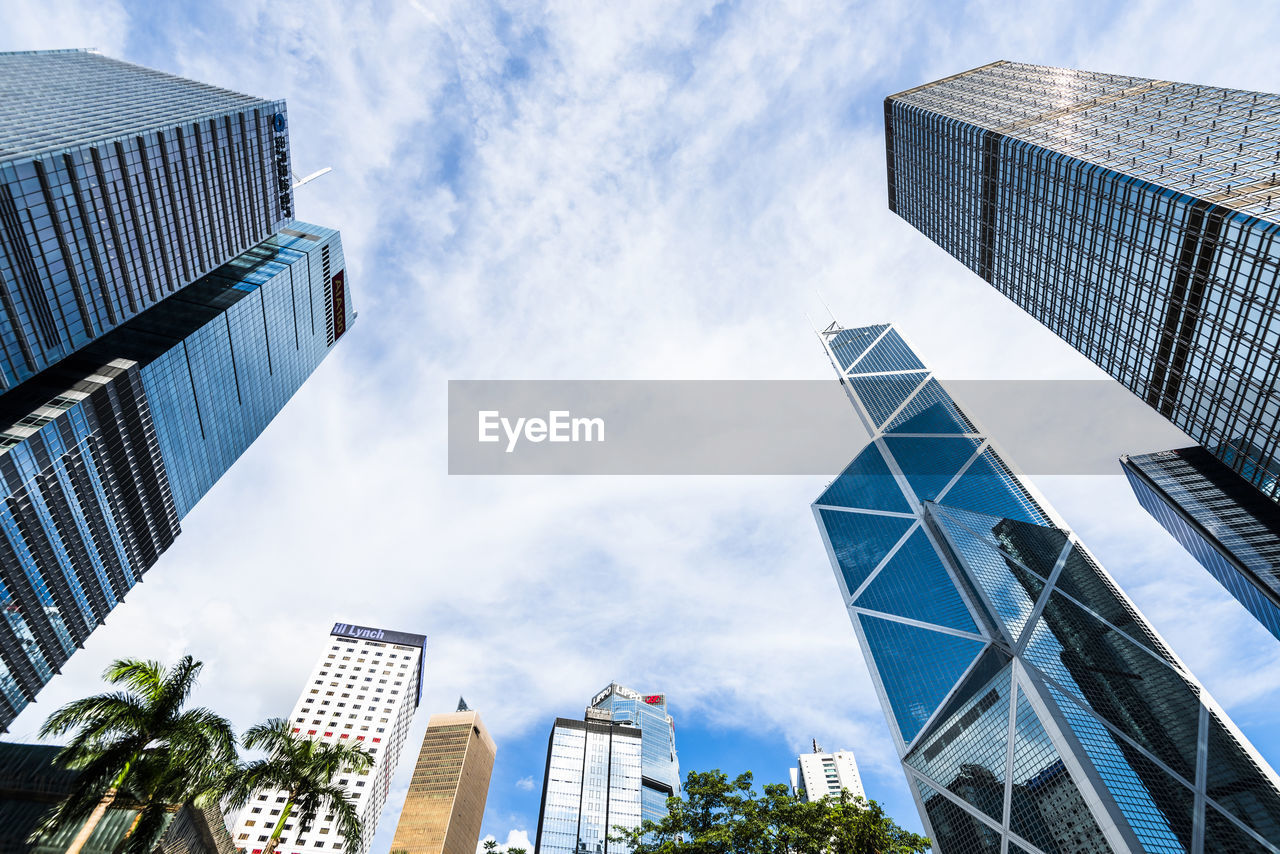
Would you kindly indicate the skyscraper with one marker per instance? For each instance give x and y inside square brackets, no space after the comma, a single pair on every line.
[444,809]
[364,688]
[104,453]
[158,307]
[1134,218]
[820,774]
[120,185]
[1031,704]
[1231,528]
[617,766]
[660,771]
[591,784]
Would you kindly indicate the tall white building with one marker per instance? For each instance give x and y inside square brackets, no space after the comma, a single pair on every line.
[821,774]
[364,688]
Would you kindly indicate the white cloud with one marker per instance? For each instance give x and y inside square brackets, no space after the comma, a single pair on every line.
[525,784]
[659,196]
[515,839]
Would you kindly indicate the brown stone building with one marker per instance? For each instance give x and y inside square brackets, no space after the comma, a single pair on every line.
[445,805]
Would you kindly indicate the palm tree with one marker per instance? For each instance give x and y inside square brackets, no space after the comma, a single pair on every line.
[303,769]
[139,742]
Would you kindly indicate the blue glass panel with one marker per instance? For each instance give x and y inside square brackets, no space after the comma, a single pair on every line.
[1084,581]
[1137,693]
[861,540]
[866,483]
[1221,836]
[1046,806]
[1036,547]
[967,751]
[883,394]
[986,488]
[990,663]
[891,353]
[915,584]
[918,667]
[930,411]
[1011,588]
[1135,784]
[1239,786]
[929,464]
[955,829]
[849,344]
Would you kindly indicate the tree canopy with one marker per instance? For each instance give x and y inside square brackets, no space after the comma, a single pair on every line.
[722,816]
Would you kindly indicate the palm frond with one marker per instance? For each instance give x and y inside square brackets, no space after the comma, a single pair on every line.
[102,713]
[146,833]
[272,736]
[144,678]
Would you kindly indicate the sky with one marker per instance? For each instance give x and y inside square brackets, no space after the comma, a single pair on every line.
[610,192]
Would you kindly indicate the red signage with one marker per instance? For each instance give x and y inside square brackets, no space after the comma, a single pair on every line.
[654,699]
[338,286]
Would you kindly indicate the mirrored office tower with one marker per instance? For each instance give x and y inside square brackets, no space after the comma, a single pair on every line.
[102,454]
[119,185]
[591,784]
[660,774]
[1033,707]
[1135,218]
[1230,527]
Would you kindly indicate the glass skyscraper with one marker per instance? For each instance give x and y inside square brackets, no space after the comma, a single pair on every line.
[1135,218]
[119,185]
[660,777]
[158,307]
[1033,707]
[616,767]
[1231,528]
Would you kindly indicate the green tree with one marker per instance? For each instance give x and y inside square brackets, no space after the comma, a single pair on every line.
[723,816]
[138,744]
[304,769]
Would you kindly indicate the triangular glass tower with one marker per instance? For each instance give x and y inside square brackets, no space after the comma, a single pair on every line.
[1034,708]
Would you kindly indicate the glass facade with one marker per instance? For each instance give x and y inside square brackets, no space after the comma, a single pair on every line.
[1137,219]
[1219,518]
[592,785]
[103,453]
[660,773]
[120,185]
[1033,707]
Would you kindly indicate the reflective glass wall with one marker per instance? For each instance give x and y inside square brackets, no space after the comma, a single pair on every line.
[1032,705]
[120,185]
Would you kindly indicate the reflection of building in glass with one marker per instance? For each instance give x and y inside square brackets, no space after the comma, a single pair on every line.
[104,453]
[592,785]
[444,808]
[1226,524]
[820,774]
[1135,218]
[1002,651]
[158,307]
[363,690]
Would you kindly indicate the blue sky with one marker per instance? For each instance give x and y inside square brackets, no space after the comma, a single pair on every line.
[644,190]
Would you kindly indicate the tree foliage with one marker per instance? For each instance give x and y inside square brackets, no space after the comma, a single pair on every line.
[139,745]
[722,816]
[304,770]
